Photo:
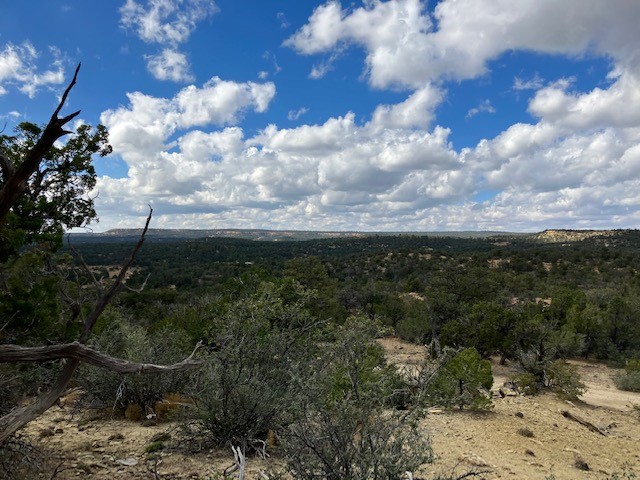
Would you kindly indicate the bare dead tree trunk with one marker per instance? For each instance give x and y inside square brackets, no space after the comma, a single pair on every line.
[16,179]
[19,417]
[15,183]
[76,352]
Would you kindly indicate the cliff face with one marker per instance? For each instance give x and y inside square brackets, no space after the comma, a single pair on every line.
[559,236]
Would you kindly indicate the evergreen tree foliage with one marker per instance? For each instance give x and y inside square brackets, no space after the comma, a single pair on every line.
[464,382]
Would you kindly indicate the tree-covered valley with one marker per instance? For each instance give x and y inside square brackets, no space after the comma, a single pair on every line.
[501,295]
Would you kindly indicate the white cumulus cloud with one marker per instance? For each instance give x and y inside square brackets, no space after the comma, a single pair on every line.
[483,107]
[168,23]
[18,67]
[406,46]
[170,65]
[576,162]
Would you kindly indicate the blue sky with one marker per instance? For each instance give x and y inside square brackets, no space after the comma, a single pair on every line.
[371,115]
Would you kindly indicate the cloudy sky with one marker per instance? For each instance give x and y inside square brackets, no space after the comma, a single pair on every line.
[370,115]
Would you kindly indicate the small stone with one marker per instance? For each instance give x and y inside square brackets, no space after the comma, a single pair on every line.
[519,414]
[160,437]
[46,432]
[473,459]
[580,464]
[507,392]
[127,462]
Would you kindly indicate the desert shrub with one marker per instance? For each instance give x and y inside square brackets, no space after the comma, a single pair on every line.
[245,386]
[130,342]
[627,473]
[541,373]
[155,446]
[632,366]
[629,381]
[20,459]
[414,328]
[23,380]
[531,363]
[565,342]
[564,379]
[526,432]
[526,383]
[343,428]
[463,381]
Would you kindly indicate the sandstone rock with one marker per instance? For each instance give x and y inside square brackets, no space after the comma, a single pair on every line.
[507,392]
[473,460]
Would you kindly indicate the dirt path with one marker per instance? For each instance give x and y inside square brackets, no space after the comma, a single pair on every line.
[601,389]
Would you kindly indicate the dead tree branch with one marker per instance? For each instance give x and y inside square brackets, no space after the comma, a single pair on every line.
[86,268]
[582,421]
[79,351]
[115,287]
[75,353]
[16,183]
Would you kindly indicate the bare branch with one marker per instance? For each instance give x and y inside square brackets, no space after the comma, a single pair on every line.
[139,290]
[80,258]
[472,473]
[66,94]
[17,183]
[582,421]
[20,416]
[104,299]
[83,353]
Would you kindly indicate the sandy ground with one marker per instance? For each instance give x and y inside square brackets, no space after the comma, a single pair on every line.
[491,441]
[96,448]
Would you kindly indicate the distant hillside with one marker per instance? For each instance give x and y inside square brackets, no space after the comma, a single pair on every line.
[567,236]
[159,234]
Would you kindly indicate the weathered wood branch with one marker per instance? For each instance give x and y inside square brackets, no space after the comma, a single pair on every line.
[84,353]
[17,183]
[86,268]
[115,287]
[20,416]
[582,421]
